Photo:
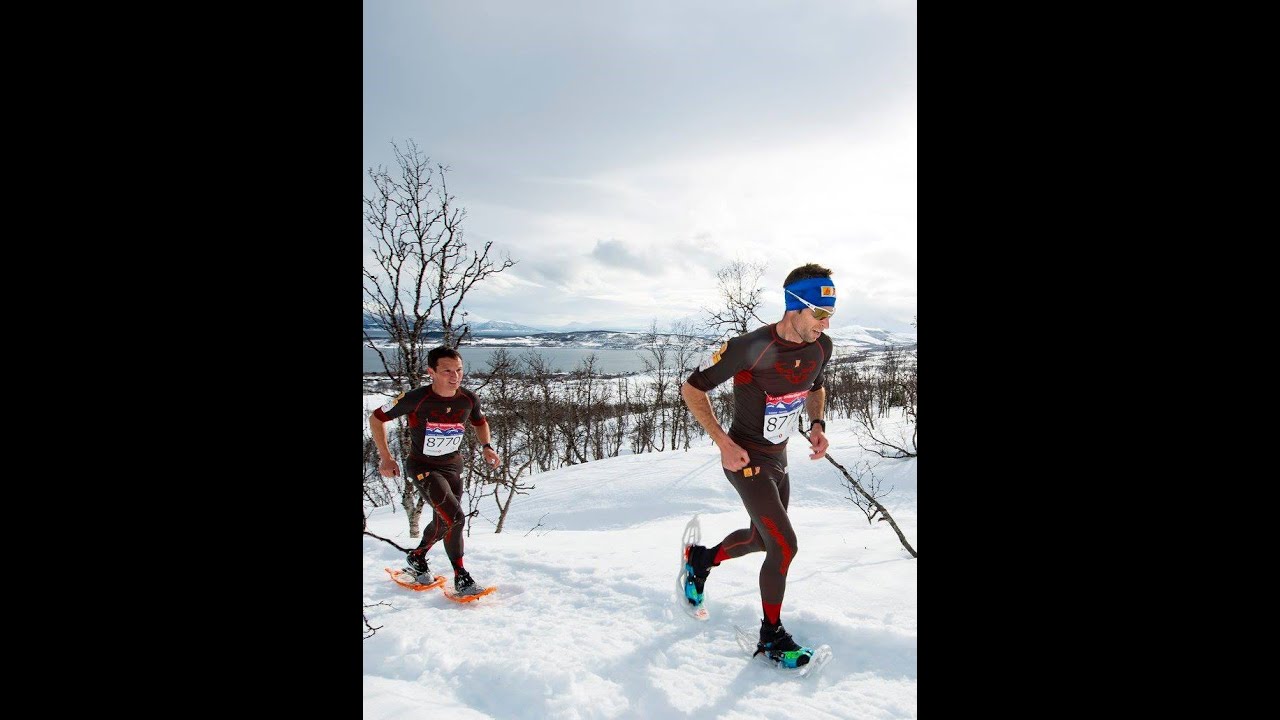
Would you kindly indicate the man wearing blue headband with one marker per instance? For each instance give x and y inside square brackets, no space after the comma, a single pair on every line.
[777,370]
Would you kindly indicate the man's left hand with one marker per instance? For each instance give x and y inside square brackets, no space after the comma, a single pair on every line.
[817,442]
[491,457]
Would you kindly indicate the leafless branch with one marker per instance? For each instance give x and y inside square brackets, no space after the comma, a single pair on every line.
[370,630]
[535,527]
[379,537]
[870,499]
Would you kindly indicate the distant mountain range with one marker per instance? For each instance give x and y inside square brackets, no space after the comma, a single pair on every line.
[872,337]
[487,328]
[498,333]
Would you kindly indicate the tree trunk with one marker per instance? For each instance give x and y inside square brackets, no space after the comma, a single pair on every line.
[412,505]
[502,519]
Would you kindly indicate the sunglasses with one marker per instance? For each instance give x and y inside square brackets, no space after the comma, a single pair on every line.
[820,313]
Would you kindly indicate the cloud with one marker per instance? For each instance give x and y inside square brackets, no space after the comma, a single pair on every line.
[614,253]
[624,154]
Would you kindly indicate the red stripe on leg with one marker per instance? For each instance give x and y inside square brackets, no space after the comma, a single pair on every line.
[782,543]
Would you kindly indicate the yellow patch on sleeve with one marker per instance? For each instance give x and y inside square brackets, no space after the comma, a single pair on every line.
[715,357]
[387,408]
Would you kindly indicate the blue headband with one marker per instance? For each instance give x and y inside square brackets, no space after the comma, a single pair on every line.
[820,291]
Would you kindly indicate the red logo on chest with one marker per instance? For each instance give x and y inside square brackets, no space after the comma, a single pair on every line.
[443,415]
[797,372]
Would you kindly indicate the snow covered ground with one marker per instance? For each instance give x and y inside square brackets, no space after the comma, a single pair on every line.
[585,623]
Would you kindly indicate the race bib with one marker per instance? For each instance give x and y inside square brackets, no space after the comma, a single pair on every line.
[779,411]
[442,438]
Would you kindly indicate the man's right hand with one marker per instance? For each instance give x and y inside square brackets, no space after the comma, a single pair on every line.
[388,468]
[732,456]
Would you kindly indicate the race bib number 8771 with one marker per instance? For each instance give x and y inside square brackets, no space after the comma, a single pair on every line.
[442,438]
[779,411]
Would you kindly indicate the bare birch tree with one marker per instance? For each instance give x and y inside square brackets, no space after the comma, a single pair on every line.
[422,267]
[421,273]
[658,357]
[740,291]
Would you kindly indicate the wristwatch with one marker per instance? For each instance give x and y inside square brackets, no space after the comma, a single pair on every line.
[487,445]
[817,422]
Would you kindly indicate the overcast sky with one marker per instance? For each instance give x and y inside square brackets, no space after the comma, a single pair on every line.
[622,152]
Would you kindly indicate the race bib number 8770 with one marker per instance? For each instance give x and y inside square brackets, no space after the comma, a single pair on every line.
[779,411]
[442,438]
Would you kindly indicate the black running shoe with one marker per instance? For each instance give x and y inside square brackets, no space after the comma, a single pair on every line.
[464,585]
[417,564]
[778,646]
[696,570]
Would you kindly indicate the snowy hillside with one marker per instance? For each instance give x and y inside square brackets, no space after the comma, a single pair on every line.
[585,622]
